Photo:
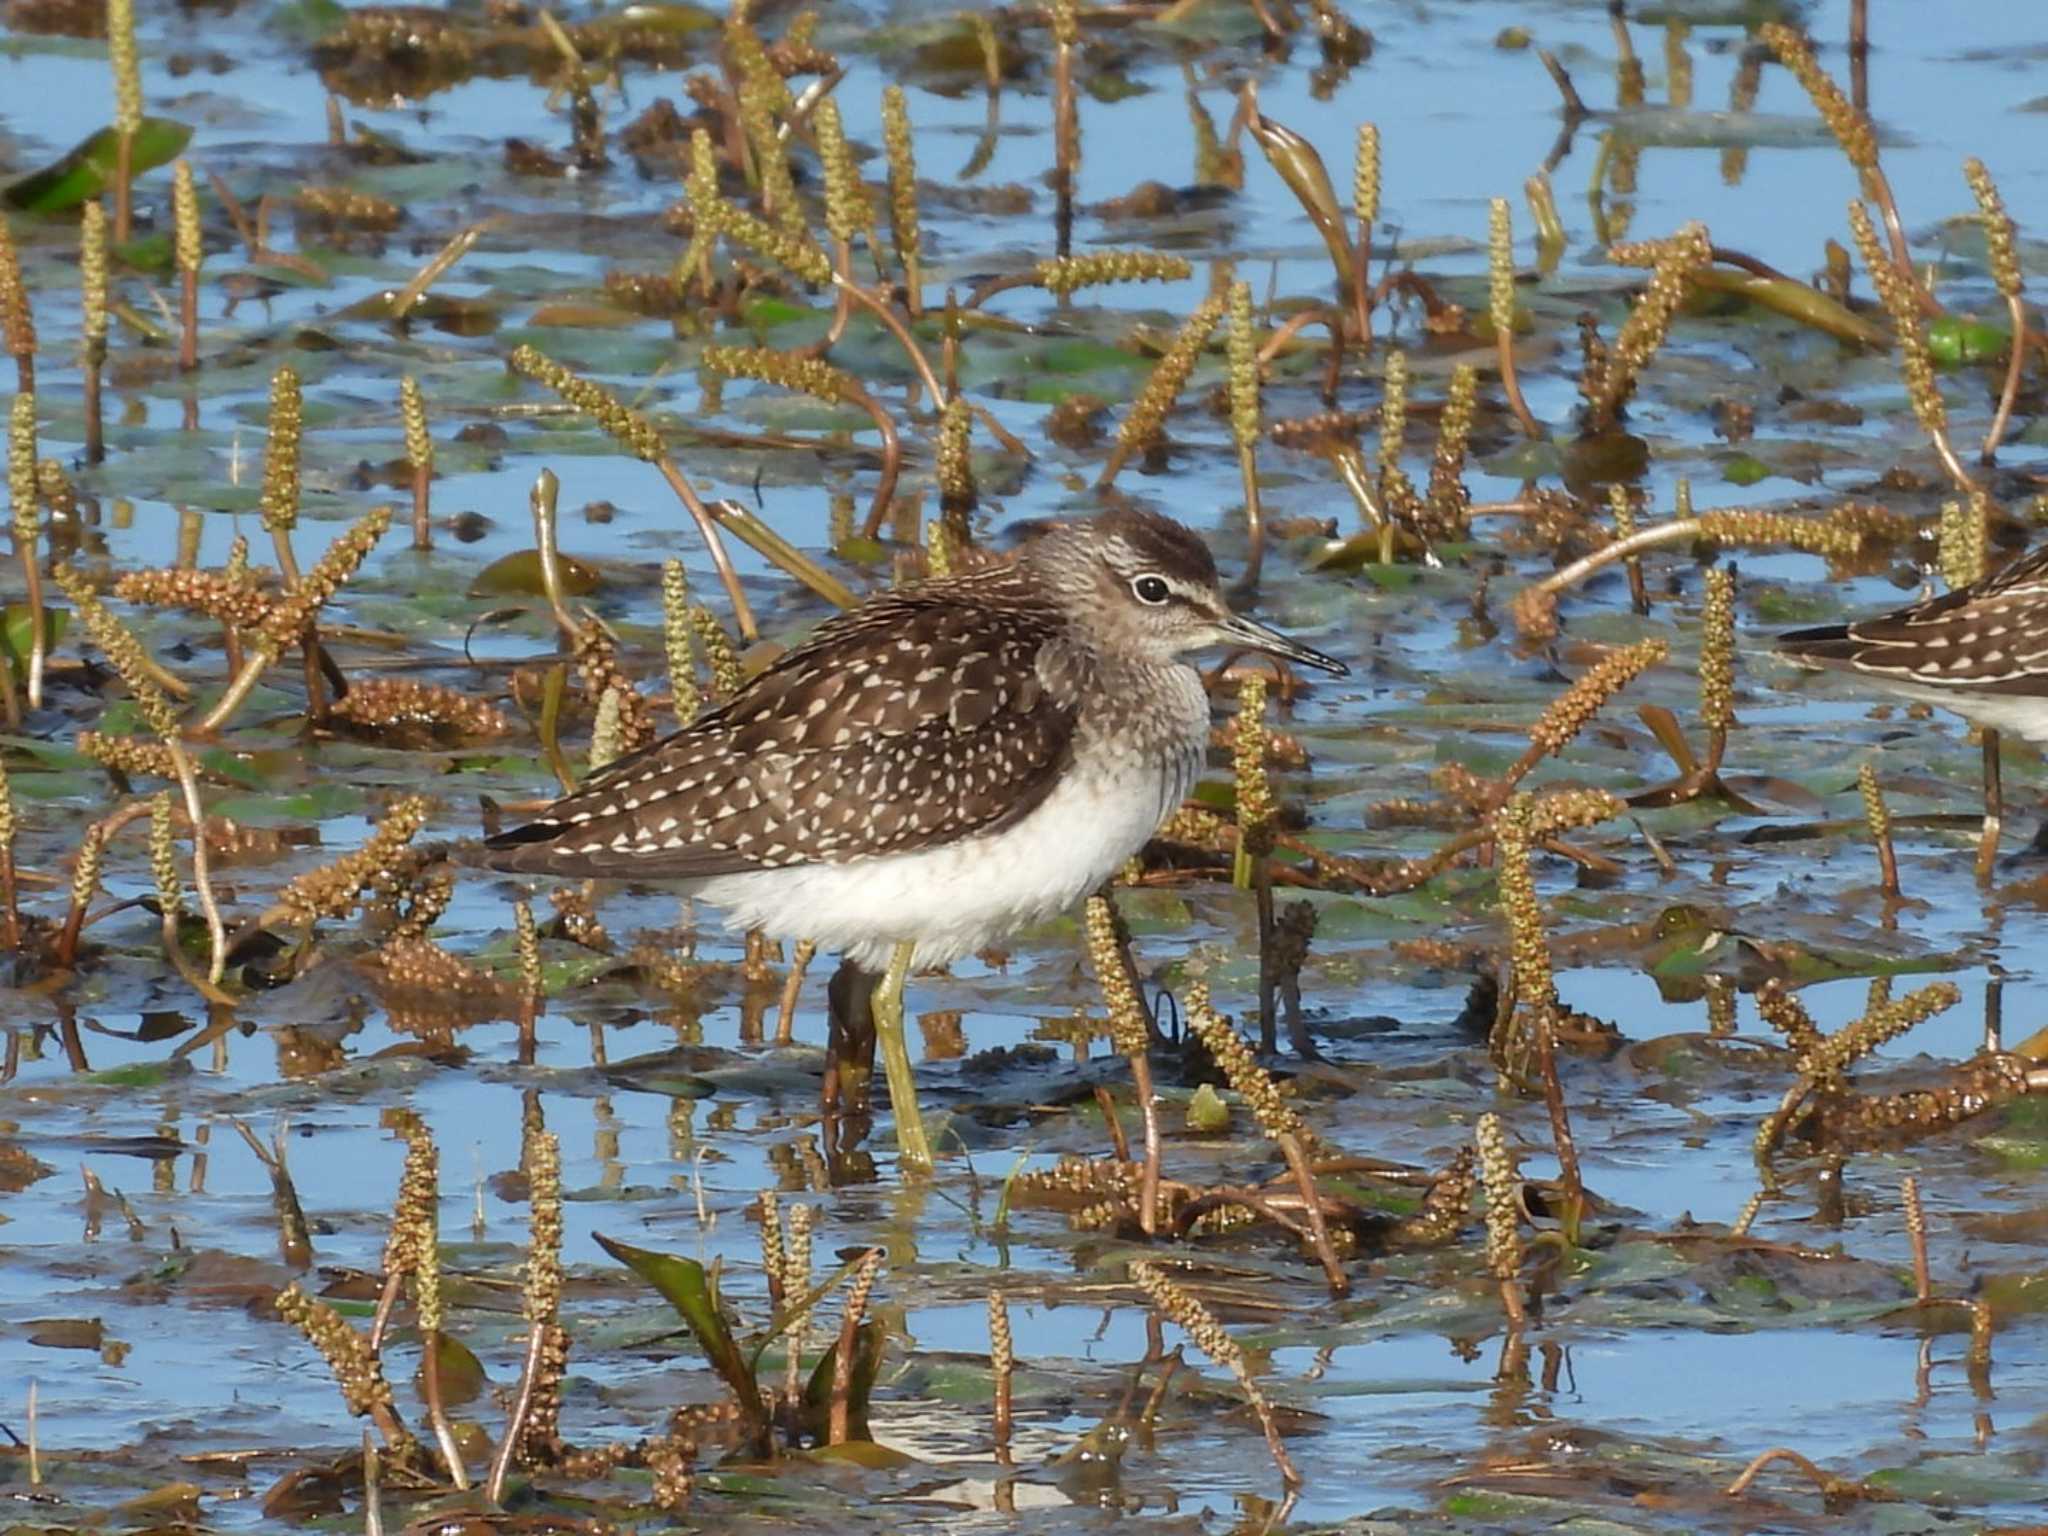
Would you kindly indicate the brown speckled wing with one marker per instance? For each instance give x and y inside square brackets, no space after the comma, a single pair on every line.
[921,717]
[1989,637]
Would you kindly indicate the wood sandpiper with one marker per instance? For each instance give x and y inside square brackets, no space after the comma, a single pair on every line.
[1981,650]
[934,769]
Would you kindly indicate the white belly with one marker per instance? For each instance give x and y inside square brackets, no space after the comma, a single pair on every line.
[955,899]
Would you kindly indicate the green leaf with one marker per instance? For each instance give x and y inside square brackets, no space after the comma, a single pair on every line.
[1956,342]
[869,1454]
[17,624]
[462,1374]
[307,20]
[518,575]
[235,767]
[867,1363]
[139,1074]
[766,314]
[1745,469]
[670,18]
[88,170]
[317,803]
[684,1285]
[152,253]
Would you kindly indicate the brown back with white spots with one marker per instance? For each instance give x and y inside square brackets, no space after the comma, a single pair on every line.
[923,716]
[1989,636]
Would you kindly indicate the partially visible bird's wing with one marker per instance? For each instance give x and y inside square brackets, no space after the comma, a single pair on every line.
[919,718]
[1991,636]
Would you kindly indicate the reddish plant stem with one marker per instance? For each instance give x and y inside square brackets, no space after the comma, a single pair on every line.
[95,427]
[1148,1111]
[707,526]
[188,321]
[422,527]
[437,1413]
[1318,1229]
[1504,347]
[124,177]
[515,1422]
[2007,395]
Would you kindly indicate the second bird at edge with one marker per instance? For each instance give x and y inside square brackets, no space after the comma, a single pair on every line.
[1981,650]
[942,765]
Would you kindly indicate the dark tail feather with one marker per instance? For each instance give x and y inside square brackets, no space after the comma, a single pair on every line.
[528,849]
[1825,644]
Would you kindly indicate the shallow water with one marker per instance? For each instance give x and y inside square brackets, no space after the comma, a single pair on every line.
[1660,1364]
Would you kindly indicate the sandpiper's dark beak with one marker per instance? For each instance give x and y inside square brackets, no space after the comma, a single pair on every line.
[1239,630]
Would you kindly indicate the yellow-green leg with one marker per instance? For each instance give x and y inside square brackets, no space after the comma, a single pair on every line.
[1994,810]
[912,1149]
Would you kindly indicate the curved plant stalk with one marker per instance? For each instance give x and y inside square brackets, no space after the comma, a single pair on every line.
[1501,310]
[1834,1489]
[729,578]
[1298,164]
[515,1421]
[895,326]
[1284,334]
[437,268]
[764,540]
[202,873]
[635,432]
[2001,241]
[544,502]
[2016,312]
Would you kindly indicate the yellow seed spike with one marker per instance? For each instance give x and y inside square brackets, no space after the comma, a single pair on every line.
[805,375]
[1717,650]
[632,429]
[2000,238]
[1064,275]
[1147,415]
[17,321]
[281,452]
[127,66]
[1497,1169]
[1500,245]
[905,231]
[1852,130]
[845,201]
[1365,179]
[92,266]
[1244,368]
[412,410]
[186,235]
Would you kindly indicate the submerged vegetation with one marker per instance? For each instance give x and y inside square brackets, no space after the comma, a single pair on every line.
[1497,1000]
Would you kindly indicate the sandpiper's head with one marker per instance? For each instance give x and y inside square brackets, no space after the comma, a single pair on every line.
[1148,586]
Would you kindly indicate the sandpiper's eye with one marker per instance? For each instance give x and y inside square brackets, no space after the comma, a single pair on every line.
[1151,589]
